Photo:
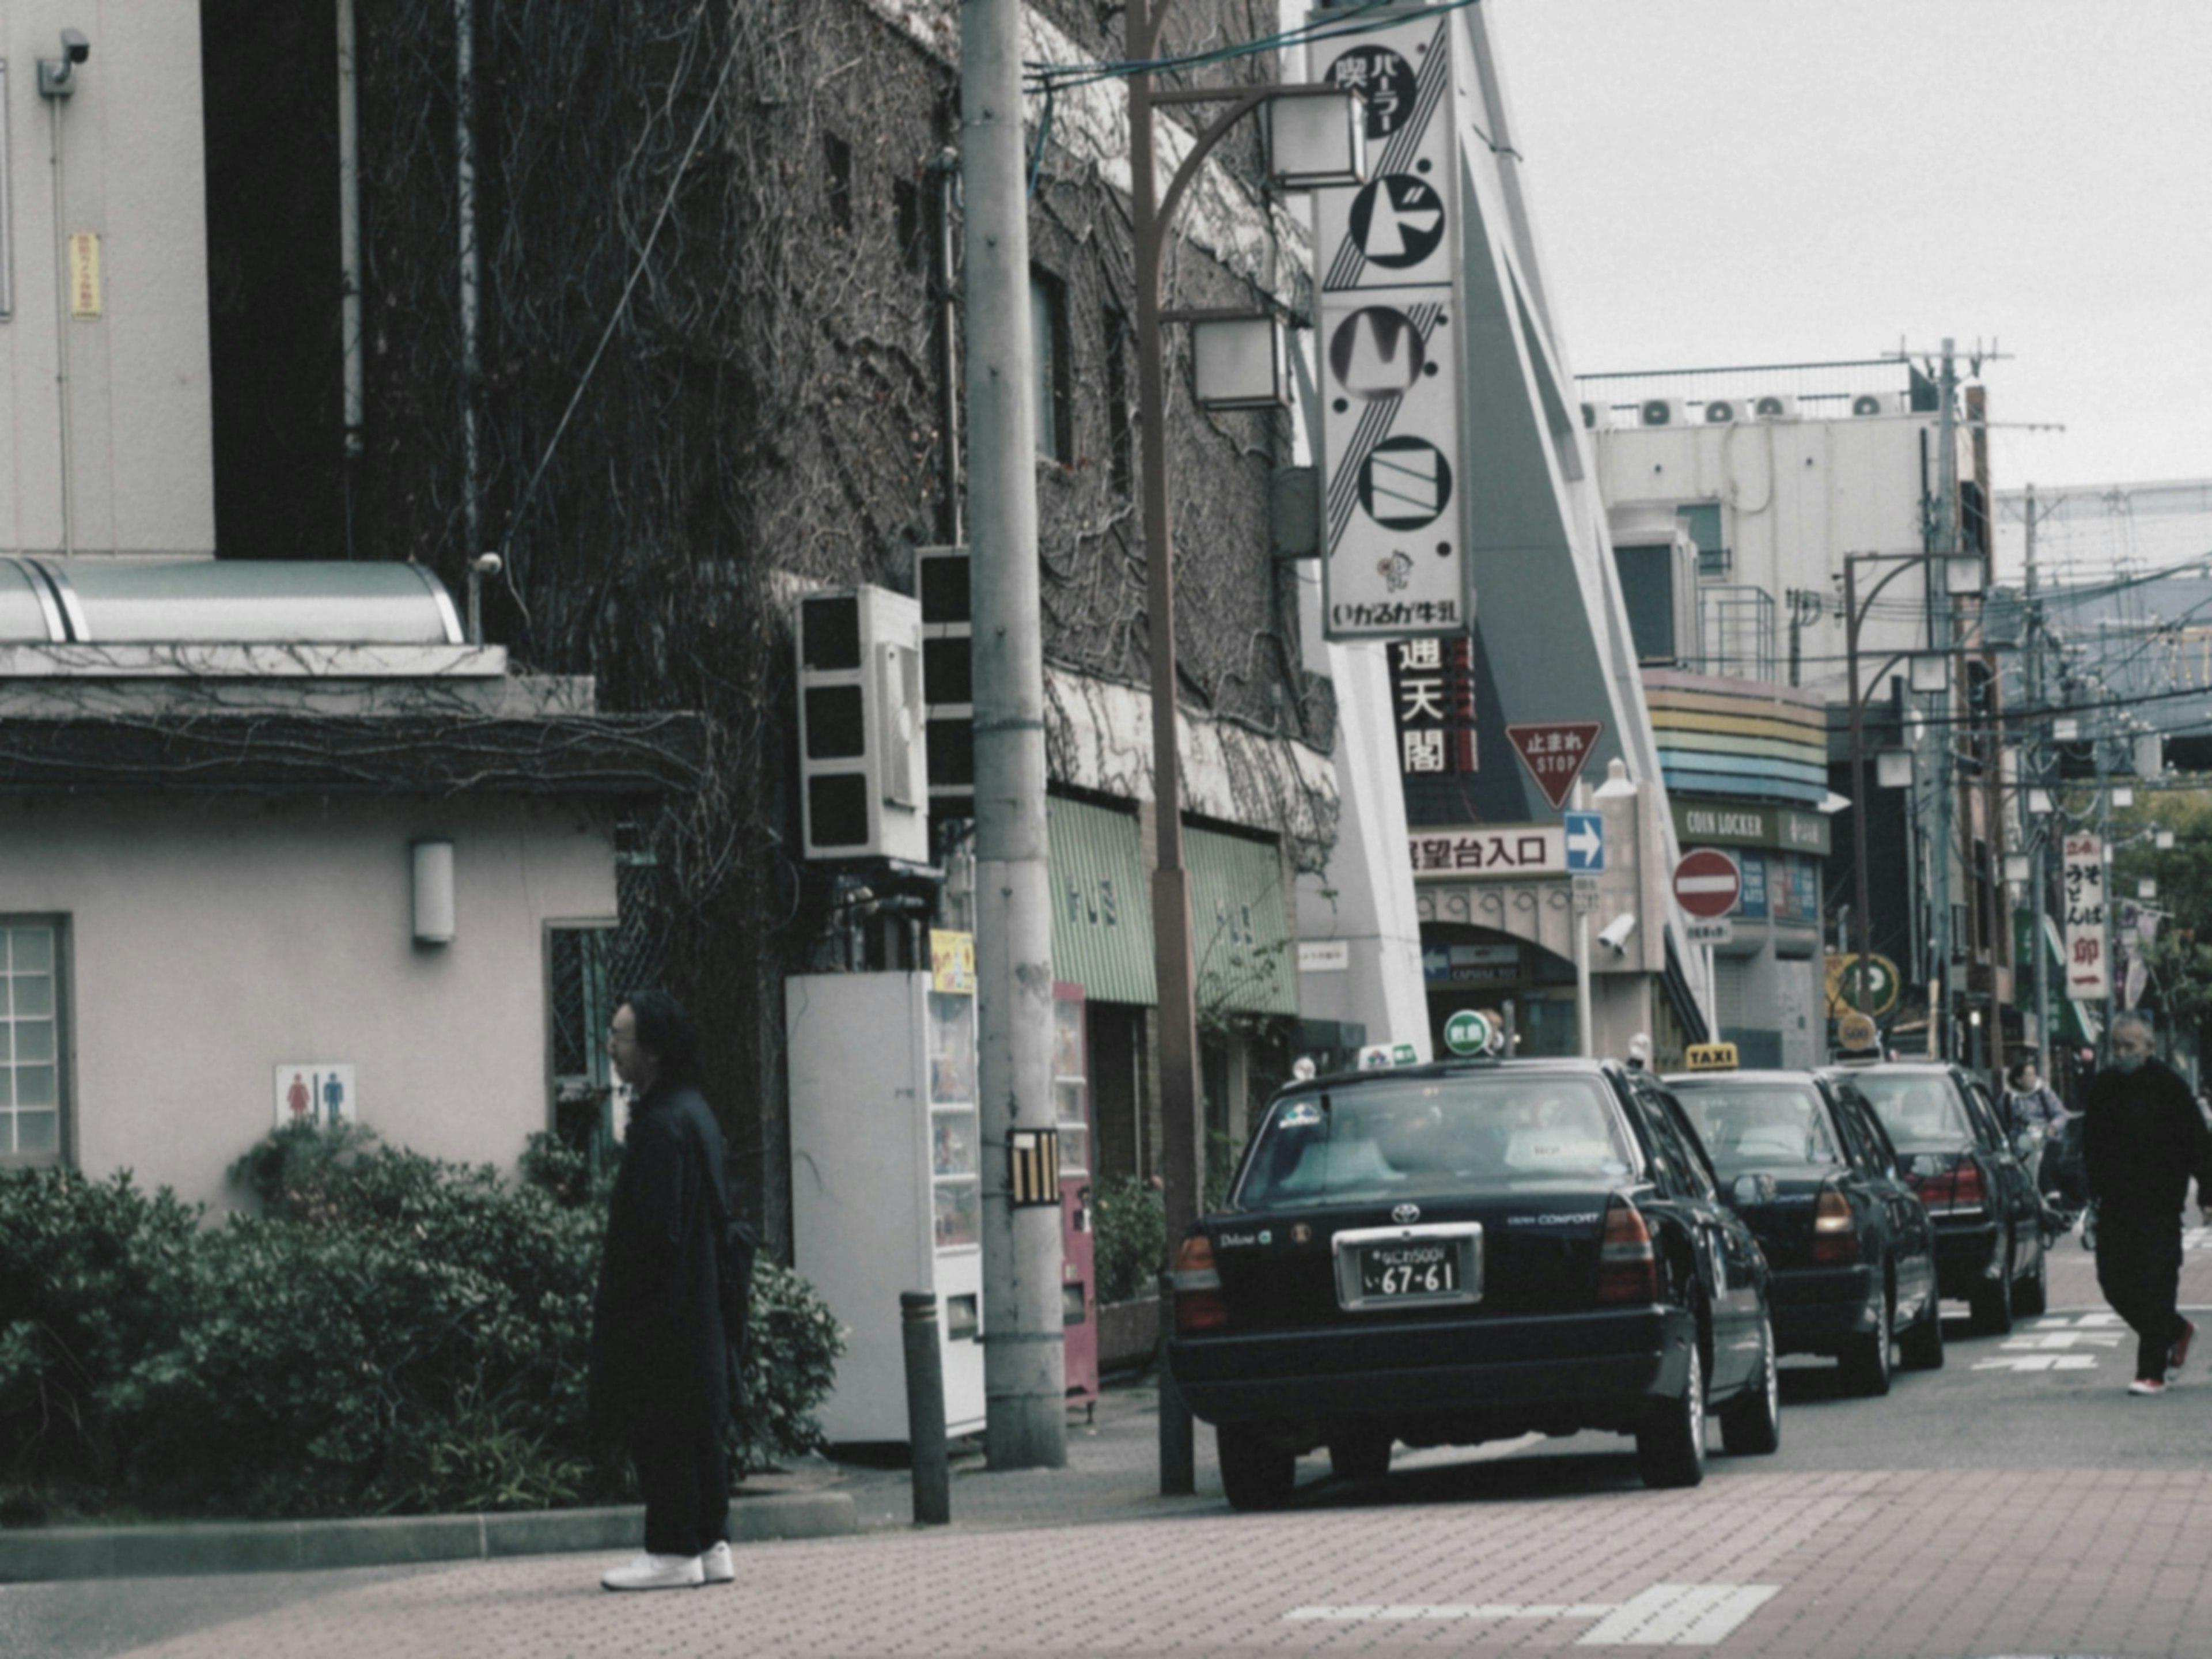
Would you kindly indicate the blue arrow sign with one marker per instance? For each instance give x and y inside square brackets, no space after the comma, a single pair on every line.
[1585,843]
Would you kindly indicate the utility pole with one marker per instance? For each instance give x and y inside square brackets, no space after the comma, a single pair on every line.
[2104,863]
[1942,626]
[1025,1363]
[2040,846]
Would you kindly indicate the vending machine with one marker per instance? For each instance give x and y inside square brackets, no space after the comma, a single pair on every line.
[886,1188]
[1071,1094]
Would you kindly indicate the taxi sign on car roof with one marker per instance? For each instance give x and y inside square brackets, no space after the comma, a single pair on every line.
[1711,1057]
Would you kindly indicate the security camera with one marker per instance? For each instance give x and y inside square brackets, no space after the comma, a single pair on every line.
[1615,936]
[485,564]
[57,76]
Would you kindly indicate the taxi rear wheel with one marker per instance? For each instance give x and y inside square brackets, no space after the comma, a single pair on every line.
[1360,1455]
[1256,1472]
[1670,1448]
[1866,1361]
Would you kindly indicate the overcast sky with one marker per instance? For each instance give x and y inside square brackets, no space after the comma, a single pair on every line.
[1755,181]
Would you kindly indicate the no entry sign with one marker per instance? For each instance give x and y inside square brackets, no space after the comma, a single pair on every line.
[1707,882]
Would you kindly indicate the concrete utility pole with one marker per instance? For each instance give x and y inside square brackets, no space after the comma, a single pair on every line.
[1025,1363]
[1944,536]
[2041,841]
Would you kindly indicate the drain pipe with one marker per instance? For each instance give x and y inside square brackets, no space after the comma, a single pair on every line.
[946,168]
[464,176]
[57,81]
[349,228]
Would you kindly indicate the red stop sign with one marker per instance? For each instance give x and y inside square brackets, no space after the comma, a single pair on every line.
[1707,882]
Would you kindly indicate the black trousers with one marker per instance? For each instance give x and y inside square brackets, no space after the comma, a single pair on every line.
[2139,1270]
[684,1473]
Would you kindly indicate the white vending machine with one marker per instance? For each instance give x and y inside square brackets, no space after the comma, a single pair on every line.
[886,1188]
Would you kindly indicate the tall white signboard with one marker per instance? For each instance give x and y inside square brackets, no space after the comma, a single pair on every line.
[1387,258]
[2089,976]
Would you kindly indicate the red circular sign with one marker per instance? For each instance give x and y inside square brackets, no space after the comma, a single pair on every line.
[1707,882]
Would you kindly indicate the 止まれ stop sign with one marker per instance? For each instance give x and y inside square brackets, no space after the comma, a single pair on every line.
[1707,882]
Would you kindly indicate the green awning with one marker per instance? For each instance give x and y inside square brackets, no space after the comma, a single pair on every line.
[1240,936]
[1101,904]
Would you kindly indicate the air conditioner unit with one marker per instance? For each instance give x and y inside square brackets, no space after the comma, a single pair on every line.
[1723,410]
[1879,402]
[863,770]
[1597,416]
[947,678]
[1774,406]
[1663,411]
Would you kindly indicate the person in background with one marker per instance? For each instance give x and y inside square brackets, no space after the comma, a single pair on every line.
[659,1379]
[2142,1138]
[2032,1107]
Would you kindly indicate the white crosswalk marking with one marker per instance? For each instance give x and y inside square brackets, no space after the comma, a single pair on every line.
[1678,1615]
[1666,1615]
[2042,1340]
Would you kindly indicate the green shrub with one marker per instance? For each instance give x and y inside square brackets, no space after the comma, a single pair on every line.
[1129,1239]
[387,1333]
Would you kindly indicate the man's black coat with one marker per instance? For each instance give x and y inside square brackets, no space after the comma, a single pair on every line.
[658,1350]
[2142,1138]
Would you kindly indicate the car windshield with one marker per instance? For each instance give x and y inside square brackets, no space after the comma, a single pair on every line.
[1919,1110]
[1433,1137]
[1758,1126]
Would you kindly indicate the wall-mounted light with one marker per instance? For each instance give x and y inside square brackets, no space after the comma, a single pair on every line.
[1239,360]
[1317,138]
[1892,769]
[2020,868]
[433,892]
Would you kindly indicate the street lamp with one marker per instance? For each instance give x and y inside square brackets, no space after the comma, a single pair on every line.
[1962,573]
[1306,155]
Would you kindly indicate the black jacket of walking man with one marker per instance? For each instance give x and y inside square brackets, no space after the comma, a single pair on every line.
[2142,1141]
[659,1362]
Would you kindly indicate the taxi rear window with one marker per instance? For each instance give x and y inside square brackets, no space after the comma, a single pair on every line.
[1919,1111]
[1758,1126]
[1435,1137]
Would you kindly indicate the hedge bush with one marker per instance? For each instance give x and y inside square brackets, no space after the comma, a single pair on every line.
[385,1334]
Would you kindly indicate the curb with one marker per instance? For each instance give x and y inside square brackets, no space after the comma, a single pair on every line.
[187,1548]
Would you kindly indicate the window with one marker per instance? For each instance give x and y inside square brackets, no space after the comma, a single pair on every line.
[838,158]
[34,1046]
[580,1007]
[1121,430]
[1049,329]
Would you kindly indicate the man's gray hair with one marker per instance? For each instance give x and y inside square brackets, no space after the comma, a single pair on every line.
[2136,1021]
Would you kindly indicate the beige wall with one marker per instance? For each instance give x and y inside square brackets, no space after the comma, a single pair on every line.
[140,436]
[212,940]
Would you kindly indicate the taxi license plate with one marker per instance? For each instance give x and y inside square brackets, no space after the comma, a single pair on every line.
[1388,1272]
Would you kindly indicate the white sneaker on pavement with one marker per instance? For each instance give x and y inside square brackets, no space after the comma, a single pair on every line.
[717,1567]
[648,1571]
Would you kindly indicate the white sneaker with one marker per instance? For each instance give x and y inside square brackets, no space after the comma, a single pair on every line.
[716,1566]
[648,1571]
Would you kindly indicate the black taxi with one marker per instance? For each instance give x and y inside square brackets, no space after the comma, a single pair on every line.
[1450,1254]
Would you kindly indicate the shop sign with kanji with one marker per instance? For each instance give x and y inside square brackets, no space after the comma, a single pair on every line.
[1527,849]
[1433,701]
[2089,975]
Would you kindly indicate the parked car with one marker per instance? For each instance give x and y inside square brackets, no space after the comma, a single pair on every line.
[1951,1146]
[1450,1254]
[1805,1161]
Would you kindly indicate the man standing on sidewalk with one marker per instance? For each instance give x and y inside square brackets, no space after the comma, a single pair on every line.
[659,1362]
[2142,1141]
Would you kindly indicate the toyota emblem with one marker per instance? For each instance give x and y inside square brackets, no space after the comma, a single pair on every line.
[1405,1214]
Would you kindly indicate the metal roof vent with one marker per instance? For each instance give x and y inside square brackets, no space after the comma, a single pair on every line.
[222,602]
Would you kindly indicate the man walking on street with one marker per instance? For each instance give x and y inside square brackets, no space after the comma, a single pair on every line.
[660,1362]
[2142,1138]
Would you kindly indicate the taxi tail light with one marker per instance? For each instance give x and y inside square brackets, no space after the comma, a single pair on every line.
[1835,1233]
[1627,1267]
[1959,1187]
[1198,1304]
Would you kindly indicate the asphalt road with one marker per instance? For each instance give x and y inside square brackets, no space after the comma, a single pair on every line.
[2018,1501]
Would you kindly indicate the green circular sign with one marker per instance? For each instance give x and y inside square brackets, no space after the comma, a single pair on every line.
[1467,1032]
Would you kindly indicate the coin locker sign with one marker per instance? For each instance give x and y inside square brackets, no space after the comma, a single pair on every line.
[1388,256]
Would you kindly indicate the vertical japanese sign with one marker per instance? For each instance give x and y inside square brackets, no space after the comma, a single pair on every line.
[2089,976]
[1387,255]
[1432,700]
